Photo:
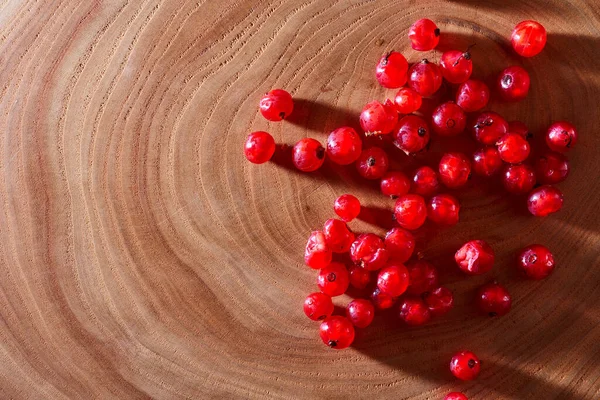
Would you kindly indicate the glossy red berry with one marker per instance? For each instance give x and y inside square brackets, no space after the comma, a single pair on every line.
[448,119]
[344,146]
[423,276]
[425,182]
[552,168]
[425,78]
[378,119]
[411,134]
[382,301]
[518,178]
[455,396]
[536,261]
[561,136]
[443,209]
[334,279]
[337,235]
[424,35]
[520,128]
[308,155]
[487,161]
[456,66]
[400,244]
[493,299]
[465,365]
[394,184]
[360,312]
[317,254]
[472,95]
[439,301]
[393,279]
[475,257]
[318,306]
[513,148]
[407,101]
[489,127]
[414,311]
[372,163]
[337,332]
[359,277]
[544,201]
[454,169]
[410,211]
[392,70]
[259,147]
[528,38]
[276,105]
[347,207]
[368,251]
[513,83]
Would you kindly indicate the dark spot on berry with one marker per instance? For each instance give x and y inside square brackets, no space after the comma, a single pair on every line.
[493,314]
[488,122]
[332,343]
[471,363]
[371,161]
[320,153]
[322,317]
[532,259]
[450,123]
[425,61]
[331,277]
[467,55]
[437,32]
[422,131]
[507,80]
[393,217]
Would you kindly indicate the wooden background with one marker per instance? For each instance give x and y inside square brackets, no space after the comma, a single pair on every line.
[142,256]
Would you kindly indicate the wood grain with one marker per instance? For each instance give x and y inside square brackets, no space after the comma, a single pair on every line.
[142,256]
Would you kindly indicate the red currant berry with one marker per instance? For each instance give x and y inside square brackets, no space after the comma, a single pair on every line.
[276,105]
[360,312]
[425,78]
[552,168]
[347,207]
[443,209]
[422,277]
[456,66]
[317,254]
[455,169]
[475,257]
[414,311]
[465,365]
[407,101]
[400,244]
[344,146]
[487,161]
[308,155]
[382,301]
[518,179]
[456,396]
[424,35]
[561,136]
[439,301]
[259,147]
[394,184]
[489,127]
[528,38]
[392,70]
[472,95]
[334,279]
[337,235]
[410,211]
[513,148]
[425,182]
[536,261]
[493,299]
[448,119]
[359,277]
[337,332]
[378,119]
[412,134]
[372,163]
[393,279]
[368,251]
[318,306]
[513,83]
[520,128]
[544,201]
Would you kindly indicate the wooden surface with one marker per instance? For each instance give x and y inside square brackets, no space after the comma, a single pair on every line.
[142,256]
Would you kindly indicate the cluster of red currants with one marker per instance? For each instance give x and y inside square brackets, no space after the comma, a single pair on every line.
[385,261]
